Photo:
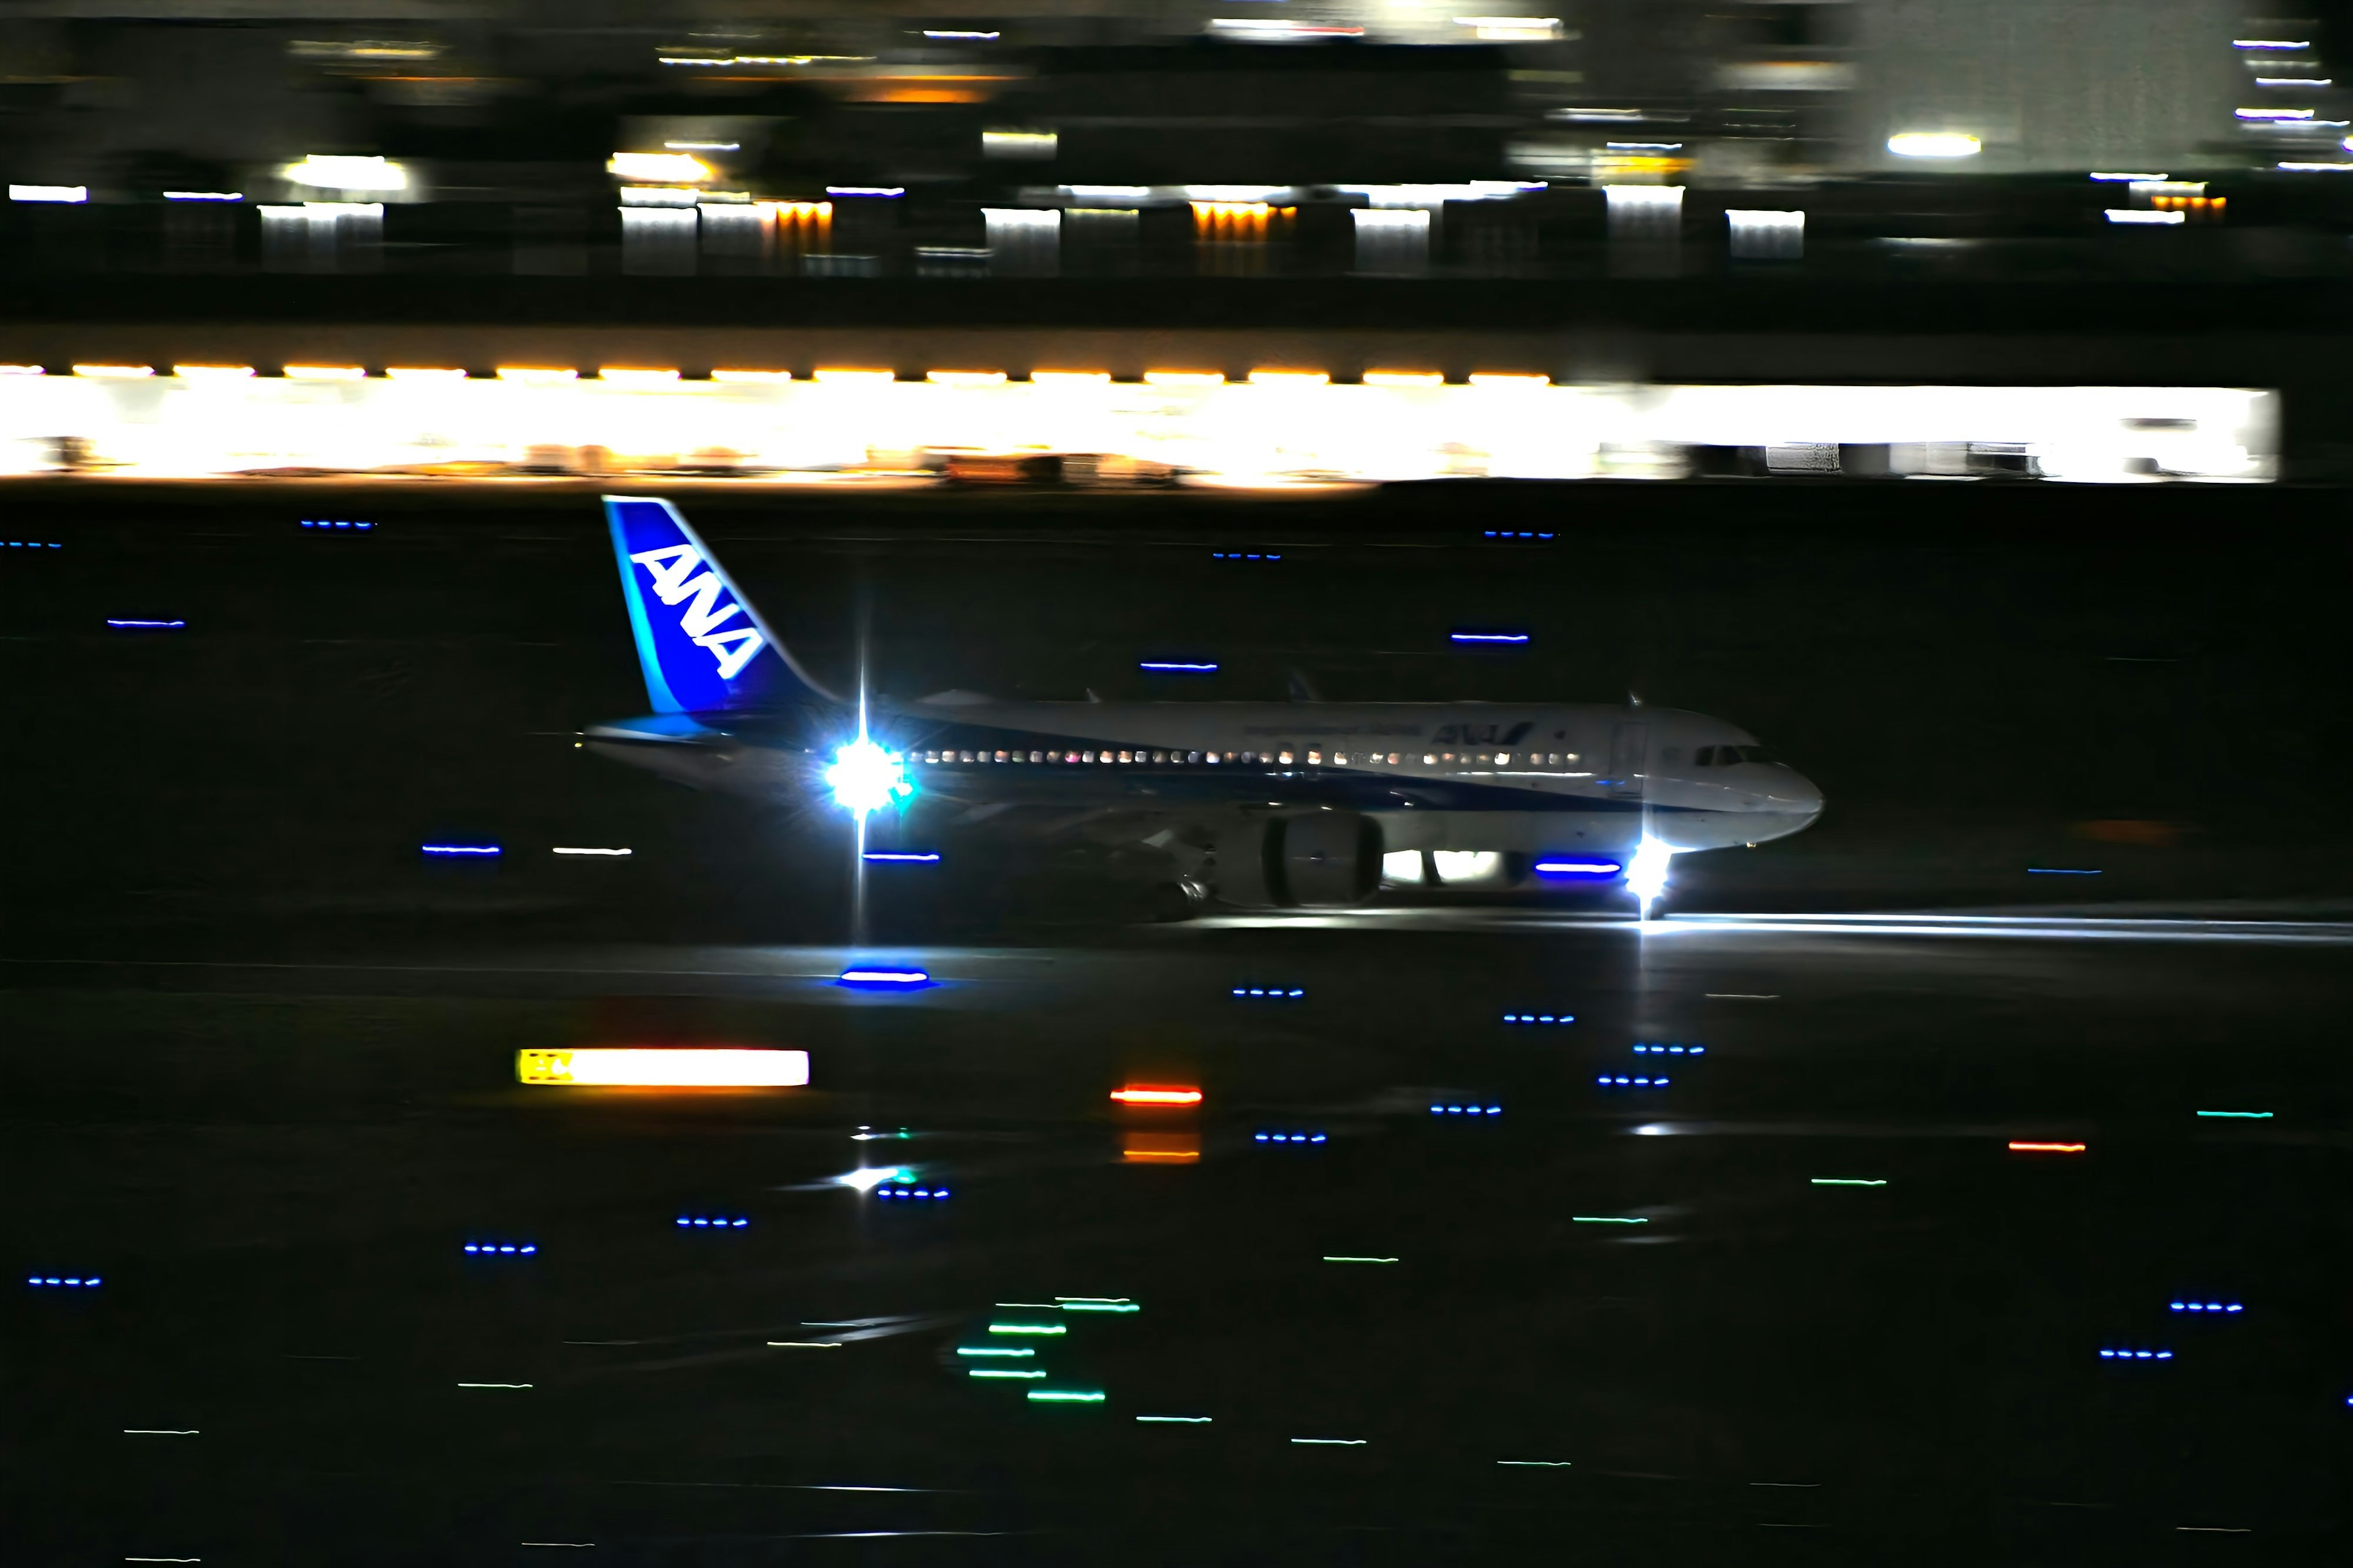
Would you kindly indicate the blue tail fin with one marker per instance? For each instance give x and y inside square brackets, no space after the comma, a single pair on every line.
[703,647]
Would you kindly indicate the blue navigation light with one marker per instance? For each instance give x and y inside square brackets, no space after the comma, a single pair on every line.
[1671,1050]
[700,1222]
[460,849]
[1242,555]
[2059,872]
[2205,1306]
[1540,1017]
[2135,1355]
[1488,636]
[865,777]
[502,1248]
[322,523]
[1466,1111]
[146,626]
[1177,667]
[911,1192]
[1622,1080]
[1507,533]
[884,979]
[68,1282]
[1578,867]
[1287,1137]
[905,857]
[1276,993]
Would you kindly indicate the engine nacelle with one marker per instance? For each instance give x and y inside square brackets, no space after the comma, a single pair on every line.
[1327,860]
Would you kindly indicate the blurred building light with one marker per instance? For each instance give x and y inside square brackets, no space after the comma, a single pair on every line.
[751,377]
[2269,43]
[48,192]
[961,34]
[1276,195]
[1022,145]
[1511,29]
[212,372]
[537,376]
[2127,178]
[703,146]
[1120,193]
[1598,116]
[423,372]
[857,377]
[668,168]
[2294,168]
[587,849]
[1759,234]
[866,189]
[1184,378]
[337,172]
[665,1066]
[1420,378]
[637,378]
[1260,28]
[659,196]
[1934,144]
[1069,378]
[1644,214]
[115,372]
[2137,215]
[325,373]
[1510,380]
[23,370]
[2295,81]
[964,377]
[2281,114]
[204,195]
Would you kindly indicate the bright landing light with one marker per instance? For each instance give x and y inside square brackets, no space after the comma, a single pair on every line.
[1646,873]
[665,1067]
[865,777]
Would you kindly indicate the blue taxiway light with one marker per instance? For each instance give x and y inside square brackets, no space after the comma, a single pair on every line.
[1287,1137]
[1671,1050]
[2135,1355]
[1578,867]
[1488,636]
[1540,1017]
[1242,555]
[460,849]
[1507,533]
[146,626]
[1276,992]
[322,523]
[911,1192]
[1466,1111]
[2205,1306]
[1634,1082]
[68,1282]
[1177,667]
[503,1248]
[722,1223]
[34,545]
[905,857]
[2059,872]
[884,979]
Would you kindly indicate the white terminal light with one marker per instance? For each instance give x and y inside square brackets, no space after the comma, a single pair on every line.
[1934,144]
[336,172]
[70,194]
[671,168]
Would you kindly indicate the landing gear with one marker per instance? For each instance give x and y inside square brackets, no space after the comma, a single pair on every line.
[1177,900]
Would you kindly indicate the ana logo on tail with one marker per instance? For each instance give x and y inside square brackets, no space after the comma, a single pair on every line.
[674,582]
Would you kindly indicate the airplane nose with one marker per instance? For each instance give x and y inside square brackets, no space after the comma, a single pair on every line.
[1799,794]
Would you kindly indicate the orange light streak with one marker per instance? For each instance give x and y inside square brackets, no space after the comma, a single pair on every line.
[1143,1094]
[2019,1148]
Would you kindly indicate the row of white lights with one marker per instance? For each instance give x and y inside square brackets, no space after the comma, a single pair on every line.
[540,374]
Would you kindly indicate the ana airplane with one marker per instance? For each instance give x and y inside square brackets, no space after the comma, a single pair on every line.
[1255,804]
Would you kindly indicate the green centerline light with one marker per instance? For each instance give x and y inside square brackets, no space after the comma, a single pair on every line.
[1067,1395]
[1604,1219]
[1002,1371]
[2250,1115]
[994,1350]
[1844,1182]
[1099,1307]
[1328,1258]
[1027,1329]
[1189,1420]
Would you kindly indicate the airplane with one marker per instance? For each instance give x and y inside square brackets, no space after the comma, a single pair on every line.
[1256,805]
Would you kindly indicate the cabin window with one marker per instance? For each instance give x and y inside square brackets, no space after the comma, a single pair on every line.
[1428,760]
[1000,756]
[1286,759]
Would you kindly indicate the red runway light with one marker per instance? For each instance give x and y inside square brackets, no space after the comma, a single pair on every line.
[1143,1094]
[2018,1148]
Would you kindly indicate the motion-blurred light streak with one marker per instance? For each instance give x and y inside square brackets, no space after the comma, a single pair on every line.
[665,1066]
